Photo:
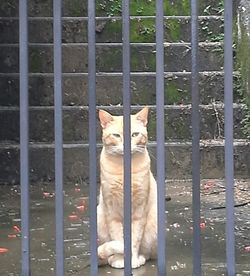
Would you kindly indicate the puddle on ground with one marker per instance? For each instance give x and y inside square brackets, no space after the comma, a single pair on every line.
[178,229]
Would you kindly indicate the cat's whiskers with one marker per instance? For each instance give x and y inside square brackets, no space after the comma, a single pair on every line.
[150,152]
[117,150]
[139,148]
[114,150]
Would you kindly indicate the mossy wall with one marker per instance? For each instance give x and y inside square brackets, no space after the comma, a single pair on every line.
[143,7]
[243,59]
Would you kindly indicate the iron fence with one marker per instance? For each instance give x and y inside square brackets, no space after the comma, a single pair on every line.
[58,131]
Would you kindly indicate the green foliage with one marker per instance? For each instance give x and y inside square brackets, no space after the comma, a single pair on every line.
[243,65]
[209,10]
[174,29]
[142,30]
[143,7]
[246,123]
[219,9]
[209,33]
[172,94]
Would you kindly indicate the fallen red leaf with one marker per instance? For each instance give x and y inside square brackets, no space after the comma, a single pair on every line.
[208,185]
[202,225]
[16,228]
[3,250]
[73,217]
[247,248]
[11,236]
[47,194]
[80,208]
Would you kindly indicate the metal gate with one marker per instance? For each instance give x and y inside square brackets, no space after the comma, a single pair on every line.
[24,137]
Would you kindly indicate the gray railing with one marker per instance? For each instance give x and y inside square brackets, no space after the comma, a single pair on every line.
[24,135]
[58,117]
[229,156]
[195,141]
[24,138]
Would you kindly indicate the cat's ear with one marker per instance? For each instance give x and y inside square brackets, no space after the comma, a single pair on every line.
[143,115]
[105,118]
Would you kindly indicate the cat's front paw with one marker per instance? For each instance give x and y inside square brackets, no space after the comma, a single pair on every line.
[116,261]
[138,261]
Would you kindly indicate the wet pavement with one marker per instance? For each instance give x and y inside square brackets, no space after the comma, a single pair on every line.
[178,229]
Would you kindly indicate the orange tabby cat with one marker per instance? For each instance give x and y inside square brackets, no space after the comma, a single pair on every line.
[144,194]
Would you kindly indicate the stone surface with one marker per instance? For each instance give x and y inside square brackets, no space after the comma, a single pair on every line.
[178,226]
[75,123]
[109,89]
[79,8]
[109,30]
[76,164]
[109,83]
[109,58]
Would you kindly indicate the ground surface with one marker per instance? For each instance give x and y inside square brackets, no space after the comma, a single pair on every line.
[178,229]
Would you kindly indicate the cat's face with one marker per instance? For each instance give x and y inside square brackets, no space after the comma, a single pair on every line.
[112,131]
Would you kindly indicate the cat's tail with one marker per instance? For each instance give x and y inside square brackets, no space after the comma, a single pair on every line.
[108,249]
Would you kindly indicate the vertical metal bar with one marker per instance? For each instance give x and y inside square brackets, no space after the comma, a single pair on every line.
[160,130]
[24,135]
[58,118]
[92,136]
[195,141]
[127,136]
[229,158]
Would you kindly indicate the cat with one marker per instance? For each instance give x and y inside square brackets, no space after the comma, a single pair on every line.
[144,193]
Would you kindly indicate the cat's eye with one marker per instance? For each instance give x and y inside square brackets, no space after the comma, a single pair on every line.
[117,135]
[134,134]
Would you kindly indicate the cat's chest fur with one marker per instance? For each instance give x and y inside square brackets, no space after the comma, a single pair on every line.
[112,182]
